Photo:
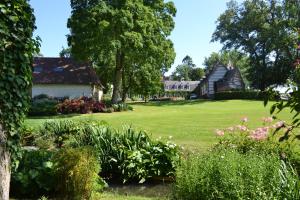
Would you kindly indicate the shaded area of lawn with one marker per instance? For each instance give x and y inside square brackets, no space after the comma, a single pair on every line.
[190,123]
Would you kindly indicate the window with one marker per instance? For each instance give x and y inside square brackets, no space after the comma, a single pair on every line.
[187,87]
[58,69]
[37,69]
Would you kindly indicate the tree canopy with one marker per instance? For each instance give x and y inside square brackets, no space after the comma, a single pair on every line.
[122,35]
[187,71]
[262,29]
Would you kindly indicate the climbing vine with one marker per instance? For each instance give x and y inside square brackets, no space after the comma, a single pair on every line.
[17,47]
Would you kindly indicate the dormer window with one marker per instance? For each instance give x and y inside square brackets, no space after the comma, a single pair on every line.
[37,70]
[58,69]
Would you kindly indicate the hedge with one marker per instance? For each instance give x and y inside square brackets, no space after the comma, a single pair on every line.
[250,95]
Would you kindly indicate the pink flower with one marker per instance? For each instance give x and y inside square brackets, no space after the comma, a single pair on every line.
[231,129]
[259,133]
[219,132]
[267,119]
[279,124]
[241,128]
[245,119]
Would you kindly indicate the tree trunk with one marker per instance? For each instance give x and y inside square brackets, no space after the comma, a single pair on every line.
[118,77]
[124,89]
[4,167]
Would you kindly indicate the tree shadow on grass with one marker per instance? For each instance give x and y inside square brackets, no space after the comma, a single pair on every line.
[59,116]
[159,191]
[177,103]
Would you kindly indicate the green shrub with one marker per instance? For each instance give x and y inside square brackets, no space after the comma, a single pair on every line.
[129,155]
[43,107]
[56,133]
[27,135]
[42,96]
[34,176]
[71,173]
[250,95]
[76,173]
[121,107]
[229,174]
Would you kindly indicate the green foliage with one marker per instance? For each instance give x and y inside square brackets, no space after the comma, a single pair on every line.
[228,174]
[55,133]
[263,29]
[292,103]
[76,172]
[34,176]
[232,57]
[16,50]
[250,95]
[187,71]
[129,155]
[124,37]
[121,107]
[43,107]
[28,135]
[65,53]
[71,173]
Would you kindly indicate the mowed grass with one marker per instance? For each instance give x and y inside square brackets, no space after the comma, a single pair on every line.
[191,124]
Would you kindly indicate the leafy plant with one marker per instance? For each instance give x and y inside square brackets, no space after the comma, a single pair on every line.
[34,176]
[129,155]
[55,133]
[43,107]
[76,172]
[28,135]
[121,107]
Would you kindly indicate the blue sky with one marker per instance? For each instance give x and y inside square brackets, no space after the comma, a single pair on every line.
[195,23]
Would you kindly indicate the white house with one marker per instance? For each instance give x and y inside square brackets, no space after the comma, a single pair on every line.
[63,77]
[219,79]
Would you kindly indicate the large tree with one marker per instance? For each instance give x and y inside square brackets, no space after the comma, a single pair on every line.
[116,33]
[263,29]
[16,50]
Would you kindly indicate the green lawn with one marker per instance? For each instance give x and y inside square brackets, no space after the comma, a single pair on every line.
[190,123]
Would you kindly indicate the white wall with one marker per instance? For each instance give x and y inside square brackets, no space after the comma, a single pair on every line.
[56,90]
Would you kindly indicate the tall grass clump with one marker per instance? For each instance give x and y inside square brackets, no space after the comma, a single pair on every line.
[229,174]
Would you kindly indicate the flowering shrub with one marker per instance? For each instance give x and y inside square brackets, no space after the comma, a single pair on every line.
[245,164]
[258,134]
[81,105]
[261,140]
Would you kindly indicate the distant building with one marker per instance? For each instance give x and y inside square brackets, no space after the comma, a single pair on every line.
[219,79]
[63,77]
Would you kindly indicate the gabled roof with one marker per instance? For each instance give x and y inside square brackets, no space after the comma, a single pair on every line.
[210,72]
[63,71]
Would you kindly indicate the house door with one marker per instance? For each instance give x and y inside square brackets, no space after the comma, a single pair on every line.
[215,87]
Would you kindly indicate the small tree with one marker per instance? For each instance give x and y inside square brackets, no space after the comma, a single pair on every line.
[16,50]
